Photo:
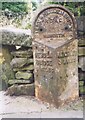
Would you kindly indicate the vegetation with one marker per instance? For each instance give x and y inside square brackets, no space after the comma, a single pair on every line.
[15,6]
[78,8]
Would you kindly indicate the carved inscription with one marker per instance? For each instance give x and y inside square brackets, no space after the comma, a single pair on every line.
[44,59]
[54,22]
[44,62]
[55,55]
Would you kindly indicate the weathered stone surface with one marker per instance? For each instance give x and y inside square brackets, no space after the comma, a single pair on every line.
[82,75]
[7,70]
[28,68]
[82,90]
[81,42]
[28,89]
[6,73]
[55,55]
[22,54]
[82,63]
[23,75]
[81,51]
[18,62]
[81,24]
[30,61]
[3,79]
[81,83]
[6,54]
[15,81]
[15,36]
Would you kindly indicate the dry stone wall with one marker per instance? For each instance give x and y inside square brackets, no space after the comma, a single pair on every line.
[81,51]
[17,64]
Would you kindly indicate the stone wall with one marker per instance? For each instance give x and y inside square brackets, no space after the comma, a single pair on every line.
[81,25]
[81,55]
[16,61]
[81,51]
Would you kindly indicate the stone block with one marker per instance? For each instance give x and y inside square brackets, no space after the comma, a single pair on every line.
[28,68]
[82,63]
[81,42]
[17,90]
[81,51]
[82,75]
[23,75]
[6,54]
[81,83]
[22,54]
[7,70]
[15,36]
[15,81]
[82,90]
[18,62]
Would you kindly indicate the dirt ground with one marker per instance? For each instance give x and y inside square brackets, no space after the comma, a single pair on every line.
[30,107]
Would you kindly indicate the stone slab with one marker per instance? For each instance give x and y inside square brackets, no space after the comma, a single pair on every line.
[23,75]
[22,53]
[81,51]
[81,42]
[82,63]
[17,90]
[28,68]
[18,62]
[15,81]
[15,36]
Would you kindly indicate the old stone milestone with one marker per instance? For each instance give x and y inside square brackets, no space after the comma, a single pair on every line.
[55,55]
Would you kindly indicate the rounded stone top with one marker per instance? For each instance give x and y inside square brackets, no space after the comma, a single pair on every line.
[53,19]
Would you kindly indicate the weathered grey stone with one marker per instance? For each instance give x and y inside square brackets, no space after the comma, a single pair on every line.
[81,51]
[6,54]
[6,73]
[18,62]
[82,63]
[3,79]
[81,23]
[20,53]
[81,83]
[28,89]
[7,70]
[30,61]
[28,68]
[82,76]
[55,55]
[15,81]
[23,75]
[81,42]
[15,36]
